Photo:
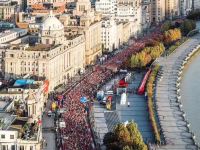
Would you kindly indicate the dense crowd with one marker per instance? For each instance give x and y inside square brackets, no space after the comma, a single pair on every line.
[77,134]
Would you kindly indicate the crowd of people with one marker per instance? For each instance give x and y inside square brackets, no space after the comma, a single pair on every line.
[77,133]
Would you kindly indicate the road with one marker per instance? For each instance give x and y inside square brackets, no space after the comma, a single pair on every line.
[48,132]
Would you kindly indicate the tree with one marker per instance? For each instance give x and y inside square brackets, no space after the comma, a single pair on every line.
[172,35]
[110,141]
[187,26]
[124,137]
[194,15]
[122,134]
[167,25]
[147,55]
[136,137]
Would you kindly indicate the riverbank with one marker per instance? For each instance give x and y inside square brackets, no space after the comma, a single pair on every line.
[189,90]
[174,127]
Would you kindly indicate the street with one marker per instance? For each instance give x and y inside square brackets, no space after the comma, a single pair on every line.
[48,130]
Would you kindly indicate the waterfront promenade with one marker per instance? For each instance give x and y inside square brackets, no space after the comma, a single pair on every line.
[174,127]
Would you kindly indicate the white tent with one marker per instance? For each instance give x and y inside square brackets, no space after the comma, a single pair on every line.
[123,99]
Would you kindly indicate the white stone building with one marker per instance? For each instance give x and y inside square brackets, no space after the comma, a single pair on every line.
[109,34]
[106,6]
[54,57]
[11,34]
[20,115]
[7,10]
[124,11]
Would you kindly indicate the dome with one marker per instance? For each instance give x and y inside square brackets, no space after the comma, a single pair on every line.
[52,23]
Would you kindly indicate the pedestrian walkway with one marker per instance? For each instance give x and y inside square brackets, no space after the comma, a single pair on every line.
[137,111]
[171,116]
[112,119]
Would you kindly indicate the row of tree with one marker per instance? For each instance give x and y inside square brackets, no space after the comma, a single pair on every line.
[184,25]
[150,93]
[147,55]
[124,137]
[194,15]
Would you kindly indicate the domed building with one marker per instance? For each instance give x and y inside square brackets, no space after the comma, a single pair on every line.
[52,30]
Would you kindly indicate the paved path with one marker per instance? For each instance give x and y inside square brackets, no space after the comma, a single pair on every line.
[104,120]
[138,111]
[170,113]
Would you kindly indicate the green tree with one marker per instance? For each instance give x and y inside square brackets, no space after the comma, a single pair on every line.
[110,141]
[187,26]
[136,137]
[194,15]
[122,134]
[124,137]
[167,25]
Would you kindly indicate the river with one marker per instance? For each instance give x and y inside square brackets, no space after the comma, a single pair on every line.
[190,92]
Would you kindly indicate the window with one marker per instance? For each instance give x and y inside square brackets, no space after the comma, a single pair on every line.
[31,147]
[13,147]
[12,136]
[21,148]
[3,136]
[4,147]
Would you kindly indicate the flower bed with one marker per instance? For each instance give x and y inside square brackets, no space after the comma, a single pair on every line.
[150,94]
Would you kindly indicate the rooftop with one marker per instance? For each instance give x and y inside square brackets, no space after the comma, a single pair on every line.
[4,104]
[5,120]
[40,47]
[8,32]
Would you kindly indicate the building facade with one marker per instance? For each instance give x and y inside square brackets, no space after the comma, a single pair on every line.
[106,6]
[109,35]
[11,34]
[158,10]
[172,8]
[54,57]
[84,20]
[7,11]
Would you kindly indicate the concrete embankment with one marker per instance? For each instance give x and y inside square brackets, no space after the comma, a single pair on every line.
[174,126]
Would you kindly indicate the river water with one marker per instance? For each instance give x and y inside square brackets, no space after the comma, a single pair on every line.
[190,93]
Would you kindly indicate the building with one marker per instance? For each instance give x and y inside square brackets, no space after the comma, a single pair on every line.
[12,34]
[185,7]
[33,2]
[172,9]
[123,11]
[84,20]
[158,10]
[44,8]
[109,35]
[7,11]
[106,7]
[146,14]
[53,56]
[6,25]
[20,115]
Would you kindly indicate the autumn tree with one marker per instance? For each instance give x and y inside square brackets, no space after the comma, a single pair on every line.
[147,55]
[124,137]
[172,35]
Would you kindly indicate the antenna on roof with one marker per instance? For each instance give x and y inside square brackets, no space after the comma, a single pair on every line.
[51,11]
